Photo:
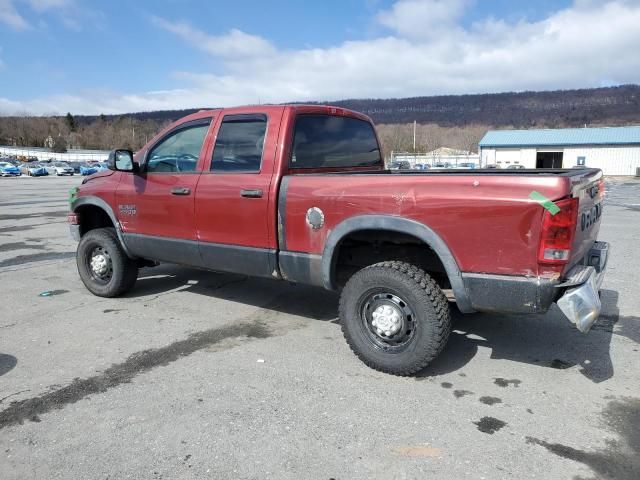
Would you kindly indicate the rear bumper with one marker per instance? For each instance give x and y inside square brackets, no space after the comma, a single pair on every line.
[577,295]
[580,302]
[508,293]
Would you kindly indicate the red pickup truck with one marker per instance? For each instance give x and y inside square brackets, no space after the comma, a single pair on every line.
[300,193]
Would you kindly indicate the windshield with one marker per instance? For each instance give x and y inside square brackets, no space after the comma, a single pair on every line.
[61,164]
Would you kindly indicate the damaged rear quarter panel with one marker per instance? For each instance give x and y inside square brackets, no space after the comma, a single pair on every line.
[488,222]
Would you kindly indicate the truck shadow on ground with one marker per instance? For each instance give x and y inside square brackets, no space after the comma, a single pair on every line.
[544,340]
[547,341]
[298,300]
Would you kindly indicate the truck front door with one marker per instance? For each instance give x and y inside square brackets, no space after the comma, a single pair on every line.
[156,205]
[233,213]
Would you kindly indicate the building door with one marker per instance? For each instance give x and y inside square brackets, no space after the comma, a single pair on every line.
[549,160]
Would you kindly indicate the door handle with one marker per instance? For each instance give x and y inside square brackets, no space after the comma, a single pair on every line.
[251,193]
[180,191]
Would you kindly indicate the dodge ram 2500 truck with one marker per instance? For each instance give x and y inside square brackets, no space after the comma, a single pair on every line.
[300,193]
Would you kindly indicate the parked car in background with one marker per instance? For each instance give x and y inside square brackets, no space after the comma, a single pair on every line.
[9,170]
[33,169]
[400,165]
[466,165]
[517,167]
[75,166]
[88,169]
[101,166]
[442,165]
[422,166]
[59,168]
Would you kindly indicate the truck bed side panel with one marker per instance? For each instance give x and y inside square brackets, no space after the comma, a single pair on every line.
[489,224]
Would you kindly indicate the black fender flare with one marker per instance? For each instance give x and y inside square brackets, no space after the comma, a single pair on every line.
[100,203]
[401,225]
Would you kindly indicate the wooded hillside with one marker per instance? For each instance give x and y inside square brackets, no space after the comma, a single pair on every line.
[457,121]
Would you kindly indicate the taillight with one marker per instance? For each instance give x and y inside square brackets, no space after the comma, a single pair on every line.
[556,236]
[601,189]
[72,218]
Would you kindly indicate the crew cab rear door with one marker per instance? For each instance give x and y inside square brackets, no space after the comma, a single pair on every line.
[234,209]
[156,205]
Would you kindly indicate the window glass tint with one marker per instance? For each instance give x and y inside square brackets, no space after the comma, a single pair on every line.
[324,141]
[239,144]
[179,152]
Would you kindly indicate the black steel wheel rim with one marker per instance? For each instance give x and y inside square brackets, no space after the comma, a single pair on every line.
[387,320]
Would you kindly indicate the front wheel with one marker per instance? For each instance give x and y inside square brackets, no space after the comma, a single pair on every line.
[103,265]
[394,317]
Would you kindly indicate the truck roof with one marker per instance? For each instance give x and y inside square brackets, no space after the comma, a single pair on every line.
[266,108]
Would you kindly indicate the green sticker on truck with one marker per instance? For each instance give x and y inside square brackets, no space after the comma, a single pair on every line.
[545,202]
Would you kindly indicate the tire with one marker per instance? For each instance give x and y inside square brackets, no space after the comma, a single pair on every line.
[119,272]
[416,300]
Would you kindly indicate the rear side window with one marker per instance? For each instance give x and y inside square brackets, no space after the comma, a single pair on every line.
[180,150]
[239,144]
[324,141]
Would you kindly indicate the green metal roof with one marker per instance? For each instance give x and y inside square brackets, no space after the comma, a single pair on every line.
[562,137]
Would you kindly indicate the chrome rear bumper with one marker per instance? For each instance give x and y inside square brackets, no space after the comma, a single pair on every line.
[581,301]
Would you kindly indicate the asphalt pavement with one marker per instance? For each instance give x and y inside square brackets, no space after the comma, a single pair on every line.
[197,375]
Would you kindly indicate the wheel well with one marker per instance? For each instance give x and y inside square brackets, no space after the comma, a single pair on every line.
[365,247]
[92,217]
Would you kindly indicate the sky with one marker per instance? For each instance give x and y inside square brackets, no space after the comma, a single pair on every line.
[92,57]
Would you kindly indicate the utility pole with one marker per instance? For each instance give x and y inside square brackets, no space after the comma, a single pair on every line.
[414,136]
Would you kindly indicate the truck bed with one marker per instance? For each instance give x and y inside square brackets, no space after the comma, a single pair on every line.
[489,224]
[557,172]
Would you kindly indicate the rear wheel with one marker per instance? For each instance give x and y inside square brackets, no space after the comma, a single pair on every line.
[394,317]
[103,265]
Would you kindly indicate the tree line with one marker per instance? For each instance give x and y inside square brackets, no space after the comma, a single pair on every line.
[455,121]
[607,106]
[62,133]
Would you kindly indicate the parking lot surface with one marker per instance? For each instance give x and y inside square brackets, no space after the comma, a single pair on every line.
[196,374]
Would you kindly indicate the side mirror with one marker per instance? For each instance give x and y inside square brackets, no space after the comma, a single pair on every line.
[122,161]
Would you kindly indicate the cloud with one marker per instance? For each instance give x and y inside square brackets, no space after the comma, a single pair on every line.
[236,43]
[72,15]
[425,49]
[422,18]
[10,16]
[44,5]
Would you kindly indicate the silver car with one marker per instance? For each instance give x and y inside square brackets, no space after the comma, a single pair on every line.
[59,168]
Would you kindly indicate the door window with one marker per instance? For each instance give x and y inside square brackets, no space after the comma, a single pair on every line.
[239,144]
[178,152]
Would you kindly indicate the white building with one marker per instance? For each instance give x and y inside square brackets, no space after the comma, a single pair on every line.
[615,150]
